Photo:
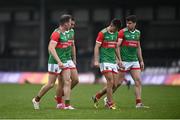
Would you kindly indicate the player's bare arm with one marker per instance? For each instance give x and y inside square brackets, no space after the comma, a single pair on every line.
[118,53]
[51,48]
[96,54]
[74,52]
[139,52]
[118,58]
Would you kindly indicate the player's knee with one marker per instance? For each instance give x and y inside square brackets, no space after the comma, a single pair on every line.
[67,81]
[110,83]
[109,78]
[137,82]
[75,80]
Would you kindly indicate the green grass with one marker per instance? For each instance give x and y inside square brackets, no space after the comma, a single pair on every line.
[15,102]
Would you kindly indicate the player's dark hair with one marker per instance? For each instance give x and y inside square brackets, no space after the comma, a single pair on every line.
[132,18]
[116,22]
[64,18]
[72,18]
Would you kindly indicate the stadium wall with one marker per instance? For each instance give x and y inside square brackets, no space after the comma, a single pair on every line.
[42,78]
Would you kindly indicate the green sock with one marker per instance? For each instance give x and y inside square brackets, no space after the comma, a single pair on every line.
[67,103]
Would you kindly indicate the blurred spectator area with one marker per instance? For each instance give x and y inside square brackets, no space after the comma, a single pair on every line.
[26,26]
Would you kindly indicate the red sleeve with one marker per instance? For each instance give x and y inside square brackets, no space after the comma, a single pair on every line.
[100,37]
[55,36]
[121,34]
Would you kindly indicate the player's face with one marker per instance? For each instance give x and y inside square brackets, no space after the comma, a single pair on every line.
[131,25]
[72,24]
[68,24]
[113,28]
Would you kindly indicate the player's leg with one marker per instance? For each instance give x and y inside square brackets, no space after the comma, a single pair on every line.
[99,94]
[116,84]
[74,73]
[109,90]
[74,77]
[109,67]
[118,78]
[44,90]
[127,67]
[67,88]
[59,93]
[102,92]
[136,75]
[74,82]
[59,89]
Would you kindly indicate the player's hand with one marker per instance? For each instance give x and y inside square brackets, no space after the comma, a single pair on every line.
[96,63]
[120,64]
[60,64]
[142,65]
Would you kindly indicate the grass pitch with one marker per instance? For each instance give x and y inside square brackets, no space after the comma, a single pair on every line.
[15,102]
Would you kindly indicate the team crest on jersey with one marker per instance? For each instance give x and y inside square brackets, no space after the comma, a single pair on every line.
[68,35]
[112,37]
[107,37]
[127,36]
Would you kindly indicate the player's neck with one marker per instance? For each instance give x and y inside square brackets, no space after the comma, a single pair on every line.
[131,30]
[109,30]
[69,29]
[62,29]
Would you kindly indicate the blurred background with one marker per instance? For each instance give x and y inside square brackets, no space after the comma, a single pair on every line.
[26,26]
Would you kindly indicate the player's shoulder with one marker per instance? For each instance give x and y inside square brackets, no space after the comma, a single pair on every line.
[103,30]
[56,33]
[123,30]
[138,31]
[57,30]
[72,30]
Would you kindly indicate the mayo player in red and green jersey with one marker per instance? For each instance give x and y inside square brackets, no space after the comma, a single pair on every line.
[105,53]
[131,55]
[57,62]
[71,62]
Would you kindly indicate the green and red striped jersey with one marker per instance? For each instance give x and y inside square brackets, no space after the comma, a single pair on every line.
[129,44]
[61,47]
[108,43]
[70,37]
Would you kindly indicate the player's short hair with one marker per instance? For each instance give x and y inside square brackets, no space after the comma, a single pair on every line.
[132,18]
[72,18]
[64,18]
[116,22]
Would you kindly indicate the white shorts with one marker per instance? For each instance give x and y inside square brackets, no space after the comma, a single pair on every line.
[130,66]
[71,64]
[55,69]
[108,67]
